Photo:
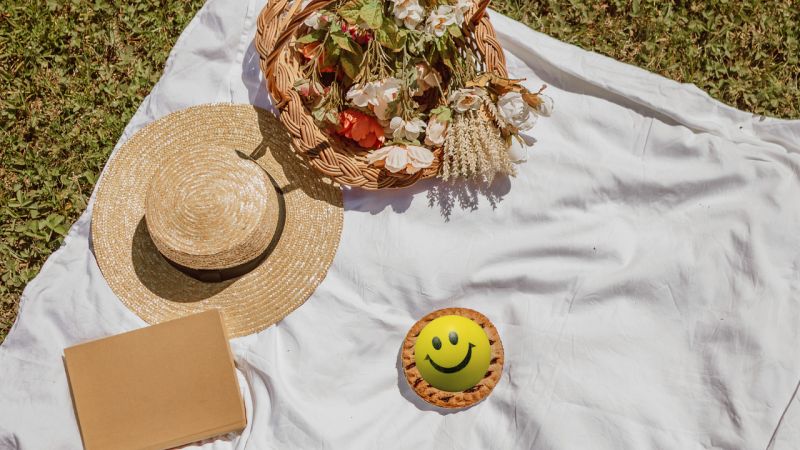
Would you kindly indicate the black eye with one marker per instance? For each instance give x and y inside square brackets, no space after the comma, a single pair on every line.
[453,337]
[437,343]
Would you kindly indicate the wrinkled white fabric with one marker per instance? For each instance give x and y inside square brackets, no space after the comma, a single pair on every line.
[642,271]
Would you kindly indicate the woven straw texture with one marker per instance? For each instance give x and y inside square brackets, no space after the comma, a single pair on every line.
[162,170]
[210,210]
[342,161]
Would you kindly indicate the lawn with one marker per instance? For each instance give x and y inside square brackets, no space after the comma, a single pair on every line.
[72,73]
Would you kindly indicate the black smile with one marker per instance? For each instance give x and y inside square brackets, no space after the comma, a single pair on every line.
[453,369]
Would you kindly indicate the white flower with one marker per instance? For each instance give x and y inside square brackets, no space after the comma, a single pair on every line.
[397,158]
[440,19]
[382,112]
[427,78]
[376,95]
[518,151]
[466,99]
[388,90]
[461,8]
[316,20]
[409,12]
[516,112]
[435,133]
[363,95]
[406,130]
[546,107]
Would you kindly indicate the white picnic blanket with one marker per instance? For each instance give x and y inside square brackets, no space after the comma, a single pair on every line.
[643,271]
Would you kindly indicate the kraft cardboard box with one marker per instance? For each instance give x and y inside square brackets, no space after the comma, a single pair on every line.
[158,387]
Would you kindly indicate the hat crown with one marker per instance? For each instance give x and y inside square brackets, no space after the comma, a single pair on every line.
[207,209]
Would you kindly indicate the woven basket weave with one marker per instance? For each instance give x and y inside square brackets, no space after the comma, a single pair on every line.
[342,161]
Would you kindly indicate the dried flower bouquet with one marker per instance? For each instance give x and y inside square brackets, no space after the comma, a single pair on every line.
[403,81]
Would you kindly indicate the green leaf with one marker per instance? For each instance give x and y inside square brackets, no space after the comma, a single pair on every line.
[61,230]
[332,117]
[350,16]
[454,31]
[442,114]
[351,64]
[391,36]
[319,114]
[343,41]
[331,55]
[351,11]
[441,45]
[307,39]
[372,14]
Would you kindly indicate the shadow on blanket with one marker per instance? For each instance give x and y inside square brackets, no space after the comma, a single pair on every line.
[443,195]
[411,396]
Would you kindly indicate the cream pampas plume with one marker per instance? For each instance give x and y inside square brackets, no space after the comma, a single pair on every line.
[475,148]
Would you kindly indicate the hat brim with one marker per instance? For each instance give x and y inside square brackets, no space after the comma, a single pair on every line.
[156,290]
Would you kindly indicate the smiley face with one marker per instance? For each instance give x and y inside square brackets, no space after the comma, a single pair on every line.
[452,353]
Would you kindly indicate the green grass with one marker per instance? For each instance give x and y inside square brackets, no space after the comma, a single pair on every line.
[72,73]
[744,53]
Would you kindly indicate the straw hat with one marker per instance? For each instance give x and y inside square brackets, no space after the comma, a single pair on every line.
[208,208]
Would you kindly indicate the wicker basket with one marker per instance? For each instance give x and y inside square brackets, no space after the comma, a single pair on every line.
[342,161]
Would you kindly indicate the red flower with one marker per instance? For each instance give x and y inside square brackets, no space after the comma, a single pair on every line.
[363,37]
[361,128]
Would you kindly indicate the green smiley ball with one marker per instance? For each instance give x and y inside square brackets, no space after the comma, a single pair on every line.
[452,353]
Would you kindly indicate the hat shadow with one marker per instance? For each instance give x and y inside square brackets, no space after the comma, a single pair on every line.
[173,282]
[164,279]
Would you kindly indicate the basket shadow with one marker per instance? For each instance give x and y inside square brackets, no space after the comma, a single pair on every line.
[295,168]
[446,196]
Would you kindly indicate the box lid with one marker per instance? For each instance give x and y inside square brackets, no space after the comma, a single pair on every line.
[158,387]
